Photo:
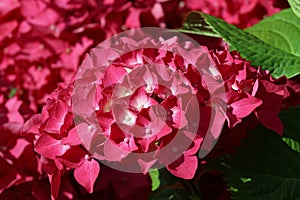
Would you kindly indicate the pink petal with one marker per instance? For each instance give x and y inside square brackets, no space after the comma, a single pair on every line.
[14,127]
[73,138]
[87,174]
[34,50]
[213,134]
[113,75]
[132,21]
[38,77]
[13,106]
[232,120]
[123,116]
[113,152]
[72,158]
[255,87]
[32,125]
[195,146]
[86,134]
[145,166]
[7,28]
[71,60]
[46,17]
[185,167]
[31,7]
[24,27]
[57,114]
[105,120]
[217,124]
[270,120]
[139,99]
[245,106]
[158,126]
[48,165]
[145,142]
[55,180]
[6,6]
[129,144]
[19,147]
[50,147]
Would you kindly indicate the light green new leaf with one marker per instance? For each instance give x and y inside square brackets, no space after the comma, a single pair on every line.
[295,4]
[264,168]
[259,52]
[154,175]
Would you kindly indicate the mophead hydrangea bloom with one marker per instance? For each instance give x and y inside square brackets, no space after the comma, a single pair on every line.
[146,102]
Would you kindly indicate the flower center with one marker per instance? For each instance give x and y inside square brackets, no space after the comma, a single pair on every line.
[129,118]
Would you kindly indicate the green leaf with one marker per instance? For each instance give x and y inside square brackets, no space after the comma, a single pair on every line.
[264,168]
[196,24]
[295,4]
[12,93]
[281,30]
[245,180]
[154,175]
[170,187]
[291,121]
[259,52]
[292,143]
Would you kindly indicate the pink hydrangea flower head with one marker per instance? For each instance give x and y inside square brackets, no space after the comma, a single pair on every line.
[145,97]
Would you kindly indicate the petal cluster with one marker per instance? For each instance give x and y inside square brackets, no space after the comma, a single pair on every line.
[274,96]
[252,91]
[144,107]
